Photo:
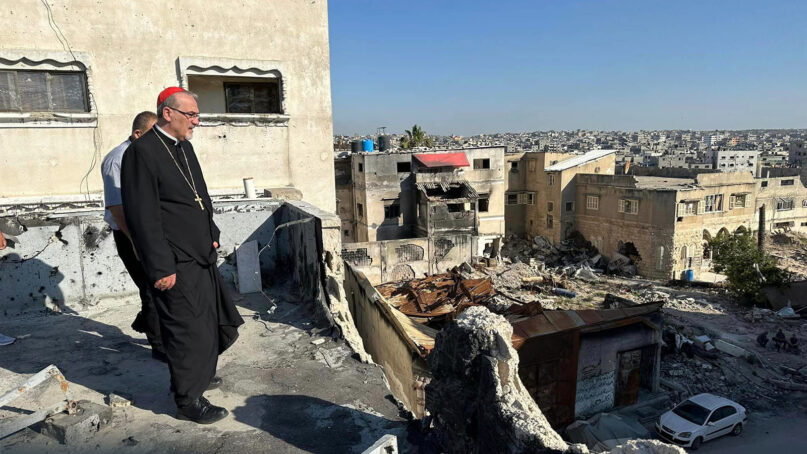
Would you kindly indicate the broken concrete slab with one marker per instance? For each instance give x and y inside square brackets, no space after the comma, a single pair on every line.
[731,349]
[388,444]
[119,400]
[80,427]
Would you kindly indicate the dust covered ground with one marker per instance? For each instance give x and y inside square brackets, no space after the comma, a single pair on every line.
[284,393]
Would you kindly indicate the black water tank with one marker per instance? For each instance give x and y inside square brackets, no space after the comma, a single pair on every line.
[384,143]
[355,146]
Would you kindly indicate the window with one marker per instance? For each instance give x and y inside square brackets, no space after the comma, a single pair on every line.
[550,206]
[551,179]
[737,201]
[456,207]
[392,210]
[787,183]
[360,210]
[628,206]
[764,184]
[526,198]
[550,221]
[784,225]
[531,165]
[404,167]
[482,163]
[484,203]
[236,91]
[361,167]
[514,165]
[569,206]
[804,224]
[713,203]
[43,91]
[592,202]
[804,203]
[784,204]
[512,199]
[252,97]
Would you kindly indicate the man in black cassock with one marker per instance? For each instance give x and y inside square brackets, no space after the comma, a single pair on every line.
[170,218]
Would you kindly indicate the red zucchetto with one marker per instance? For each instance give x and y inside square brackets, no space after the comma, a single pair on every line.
[166,93]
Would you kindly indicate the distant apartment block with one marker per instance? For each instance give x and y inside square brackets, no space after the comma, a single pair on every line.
[734,160]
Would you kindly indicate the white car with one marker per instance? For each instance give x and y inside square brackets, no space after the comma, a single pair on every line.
[701,418]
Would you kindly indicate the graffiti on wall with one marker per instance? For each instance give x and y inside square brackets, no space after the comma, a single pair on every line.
[595,394]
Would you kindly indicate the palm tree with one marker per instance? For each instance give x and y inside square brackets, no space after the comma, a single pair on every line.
[416,137]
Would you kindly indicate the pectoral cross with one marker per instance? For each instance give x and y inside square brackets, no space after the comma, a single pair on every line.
[199,199]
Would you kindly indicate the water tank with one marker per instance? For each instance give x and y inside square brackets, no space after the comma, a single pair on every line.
[689,275]
[383,143]
[368,145]
[355,146]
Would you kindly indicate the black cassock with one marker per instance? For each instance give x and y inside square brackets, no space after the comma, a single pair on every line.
[172,234]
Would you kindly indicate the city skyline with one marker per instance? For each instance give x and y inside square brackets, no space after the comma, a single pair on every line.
[462,68]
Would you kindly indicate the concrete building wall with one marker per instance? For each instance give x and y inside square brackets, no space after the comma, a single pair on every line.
[775,193]
[553,191]
[127,66]
[515,216]
[598,365]
[406,259]
[651,230]
[386,341]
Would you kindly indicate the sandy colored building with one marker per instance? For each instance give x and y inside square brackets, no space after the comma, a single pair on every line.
[541,190]
[783,193]
[73,75]
[665,222]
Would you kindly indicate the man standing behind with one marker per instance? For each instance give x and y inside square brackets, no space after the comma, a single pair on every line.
[170,218]
[146,321]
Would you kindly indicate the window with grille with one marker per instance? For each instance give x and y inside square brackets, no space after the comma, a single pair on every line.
[512,199]
[43,91]
[253,97]
[592,202]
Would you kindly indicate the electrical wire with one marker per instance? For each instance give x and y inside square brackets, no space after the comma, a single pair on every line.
[85,182]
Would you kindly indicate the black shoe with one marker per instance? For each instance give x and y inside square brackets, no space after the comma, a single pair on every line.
[214,383]
[159,355]
[201,411]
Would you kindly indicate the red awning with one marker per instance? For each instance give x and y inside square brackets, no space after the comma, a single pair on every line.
[457,159]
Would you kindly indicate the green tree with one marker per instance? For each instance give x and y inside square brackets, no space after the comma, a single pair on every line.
[416,137]
[746,267]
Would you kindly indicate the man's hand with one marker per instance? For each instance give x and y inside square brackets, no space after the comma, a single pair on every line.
[3,241]
[166,283]
[215,245]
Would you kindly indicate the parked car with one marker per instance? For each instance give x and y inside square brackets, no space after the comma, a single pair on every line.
[701,418]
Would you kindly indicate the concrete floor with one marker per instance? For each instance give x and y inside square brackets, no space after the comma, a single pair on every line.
[284,393]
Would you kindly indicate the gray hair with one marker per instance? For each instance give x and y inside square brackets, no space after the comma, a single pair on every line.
[171,101]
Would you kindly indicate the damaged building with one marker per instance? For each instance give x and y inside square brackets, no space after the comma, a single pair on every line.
[408,214]
[573,363]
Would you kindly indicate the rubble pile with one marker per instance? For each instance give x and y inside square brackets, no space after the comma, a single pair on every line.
[574,257]
[790,249]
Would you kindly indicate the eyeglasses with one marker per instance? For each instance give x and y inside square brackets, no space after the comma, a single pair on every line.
[189,115]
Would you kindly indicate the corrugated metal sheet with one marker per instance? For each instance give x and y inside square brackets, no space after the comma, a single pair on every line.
[579,160]
[456,159]
[551,322]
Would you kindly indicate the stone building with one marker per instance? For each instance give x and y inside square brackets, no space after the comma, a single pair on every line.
[663,222]
[398,195]
[783,193]
[74,74]
[797,153]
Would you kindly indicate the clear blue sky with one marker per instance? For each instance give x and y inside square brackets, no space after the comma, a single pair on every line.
[469,67]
